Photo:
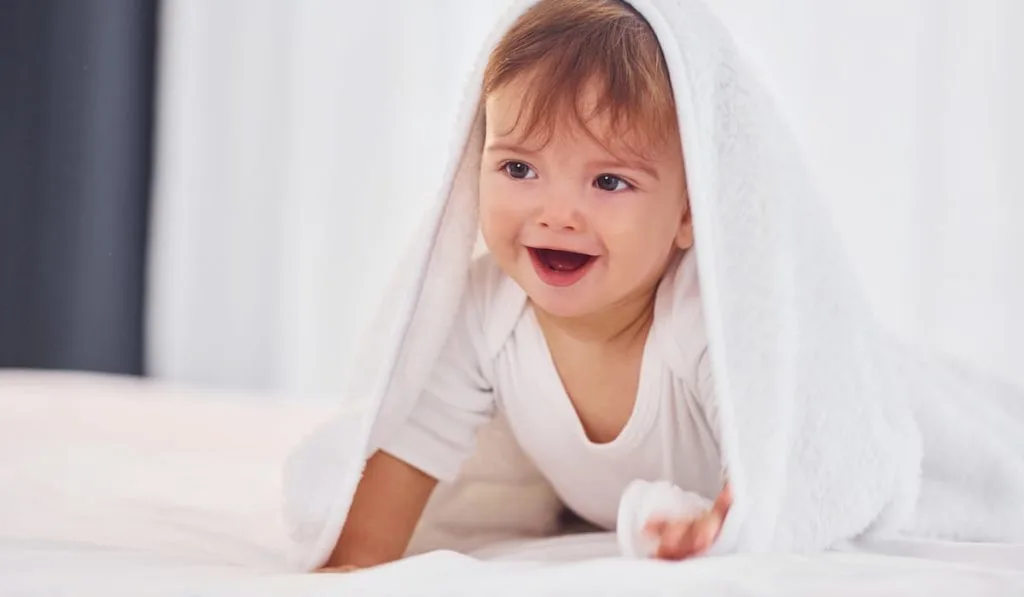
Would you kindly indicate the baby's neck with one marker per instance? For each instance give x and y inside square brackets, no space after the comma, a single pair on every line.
[622,324]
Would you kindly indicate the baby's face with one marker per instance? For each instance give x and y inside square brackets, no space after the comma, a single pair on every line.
[577,228]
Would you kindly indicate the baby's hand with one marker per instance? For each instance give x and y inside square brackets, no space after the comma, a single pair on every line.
[680,539]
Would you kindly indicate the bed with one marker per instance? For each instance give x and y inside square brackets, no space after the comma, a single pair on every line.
[119,486]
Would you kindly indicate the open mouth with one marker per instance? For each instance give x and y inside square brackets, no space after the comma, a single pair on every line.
[562,261]
[560,268]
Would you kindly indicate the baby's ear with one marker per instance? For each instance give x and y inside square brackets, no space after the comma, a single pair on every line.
[684,236]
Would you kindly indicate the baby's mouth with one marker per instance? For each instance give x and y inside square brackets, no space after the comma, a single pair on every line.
[558,260]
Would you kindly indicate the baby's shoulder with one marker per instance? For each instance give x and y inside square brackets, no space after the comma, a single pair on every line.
[680,328]
[493,302]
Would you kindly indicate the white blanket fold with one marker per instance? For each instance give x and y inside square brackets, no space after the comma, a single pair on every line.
[830,429]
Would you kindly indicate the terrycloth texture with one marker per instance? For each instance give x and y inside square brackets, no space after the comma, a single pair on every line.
[826,422]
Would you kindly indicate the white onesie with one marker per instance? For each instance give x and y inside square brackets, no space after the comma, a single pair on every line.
[497,358]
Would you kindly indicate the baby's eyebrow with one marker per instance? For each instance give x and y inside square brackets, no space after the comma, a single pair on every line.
[630,165]
[509,147]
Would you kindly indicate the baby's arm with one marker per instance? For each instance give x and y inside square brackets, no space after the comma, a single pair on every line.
[436,438]
[432,445]
[386,508]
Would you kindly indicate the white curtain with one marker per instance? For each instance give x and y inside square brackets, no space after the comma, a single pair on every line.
[299,140]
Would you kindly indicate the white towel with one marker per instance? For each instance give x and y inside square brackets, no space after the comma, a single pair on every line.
[830,429]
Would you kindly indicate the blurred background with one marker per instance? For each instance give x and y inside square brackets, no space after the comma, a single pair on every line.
[215,191]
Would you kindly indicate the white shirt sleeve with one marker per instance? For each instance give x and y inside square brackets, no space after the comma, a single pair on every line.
[440,433]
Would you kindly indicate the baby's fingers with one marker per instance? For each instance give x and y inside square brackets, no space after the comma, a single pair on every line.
[678,541]
[655,527]
[686,539]
[706,531]
[723,502]
[708,526]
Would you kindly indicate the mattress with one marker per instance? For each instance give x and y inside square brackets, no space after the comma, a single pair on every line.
[119,486]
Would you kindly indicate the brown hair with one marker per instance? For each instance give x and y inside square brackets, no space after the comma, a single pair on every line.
[560,47]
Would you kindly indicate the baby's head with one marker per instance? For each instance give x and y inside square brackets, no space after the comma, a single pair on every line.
[582,186]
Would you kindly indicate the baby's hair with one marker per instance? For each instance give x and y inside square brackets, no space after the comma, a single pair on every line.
[560,47]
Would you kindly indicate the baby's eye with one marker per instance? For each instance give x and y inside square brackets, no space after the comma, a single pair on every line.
[612,183]
[519,170]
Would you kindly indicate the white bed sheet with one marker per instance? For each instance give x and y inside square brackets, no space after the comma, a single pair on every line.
[111,486]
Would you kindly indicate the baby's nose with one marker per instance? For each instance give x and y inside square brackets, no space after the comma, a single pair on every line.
[557,225]
[560,214]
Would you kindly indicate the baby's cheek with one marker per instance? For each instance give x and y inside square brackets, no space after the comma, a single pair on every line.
[502,217]
[494,223]
[500,234]
[637,263]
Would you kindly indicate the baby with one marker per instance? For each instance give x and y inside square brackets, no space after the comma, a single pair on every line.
[565,323]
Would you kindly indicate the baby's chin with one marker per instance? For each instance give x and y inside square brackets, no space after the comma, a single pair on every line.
[561,303]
